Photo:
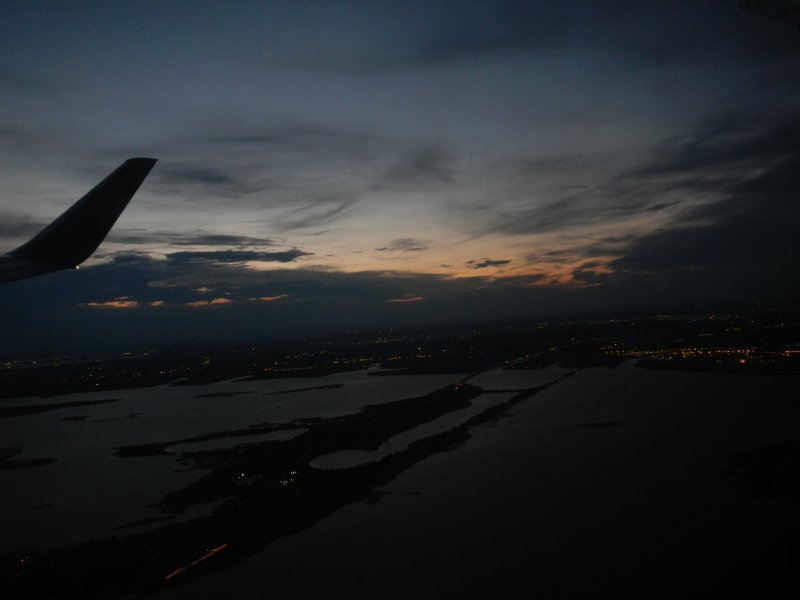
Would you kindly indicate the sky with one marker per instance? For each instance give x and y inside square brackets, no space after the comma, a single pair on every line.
[328,166]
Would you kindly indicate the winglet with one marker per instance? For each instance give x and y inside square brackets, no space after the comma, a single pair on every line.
[76,234]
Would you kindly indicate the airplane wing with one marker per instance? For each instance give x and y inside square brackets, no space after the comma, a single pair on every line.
[76,234]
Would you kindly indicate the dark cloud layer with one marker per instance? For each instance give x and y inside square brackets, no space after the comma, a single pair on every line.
[168,238]
[421,166]
[727,146]
[405,245]
[748,242]
[316,217]
[236,256]
[217,239]
[487,262]
[15,226]
[135,300]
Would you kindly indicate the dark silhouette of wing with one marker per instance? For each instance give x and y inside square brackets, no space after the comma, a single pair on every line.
[76,234]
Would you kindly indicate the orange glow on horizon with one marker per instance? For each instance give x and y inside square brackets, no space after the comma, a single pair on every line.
[123,302]
[269,298]
[114,304]
[405,299]
[213,302]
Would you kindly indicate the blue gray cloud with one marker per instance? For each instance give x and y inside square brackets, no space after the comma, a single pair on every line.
[405,245]
[236,256]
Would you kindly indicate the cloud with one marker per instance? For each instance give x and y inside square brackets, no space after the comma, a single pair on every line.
[203,175]
[405,245]
[236,256]
[137,237]
[269,298]
[746,242]
[487,262]
[15,226]
[534,196]
[198,238]
[127,302]
[123,302]
[295,175]
[181,177]
[217,239]
[660,206]
[701,165]
[541,193]
[209,303]
[755,225]
[506,119]
[163,304]
[406,299]
[314,217]
[420,166]
[724,150]
[604,246]
[271,165]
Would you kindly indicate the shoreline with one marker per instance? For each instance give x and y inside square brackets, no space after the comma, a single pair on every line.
[266,490]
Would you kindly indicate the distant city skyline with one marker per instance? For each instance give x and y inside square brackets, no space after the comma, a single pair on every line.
[349,165]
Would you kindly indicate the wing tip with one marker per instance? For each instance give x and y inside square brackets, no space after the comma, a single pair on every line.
[72,237]
[141,161]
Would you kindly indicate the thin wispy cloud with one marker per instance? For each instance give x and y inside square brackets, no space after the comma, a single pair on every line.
[406,299]
[314,217]
[236,256]
[134,237]
[210,239]
[405,245]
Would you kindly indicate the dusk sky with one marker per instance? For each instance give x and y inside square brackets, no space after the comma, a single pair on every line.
[353,165]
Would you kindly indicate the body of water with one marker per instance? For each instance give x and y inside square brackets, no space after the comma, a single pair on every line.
[606,480]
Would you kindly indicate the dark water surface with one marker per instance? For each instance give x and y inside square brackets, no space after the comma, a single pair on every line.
[608,481]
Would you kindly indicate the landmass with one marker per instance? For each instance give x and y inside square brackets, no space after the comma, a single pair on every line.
[765,340]
[265,490]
